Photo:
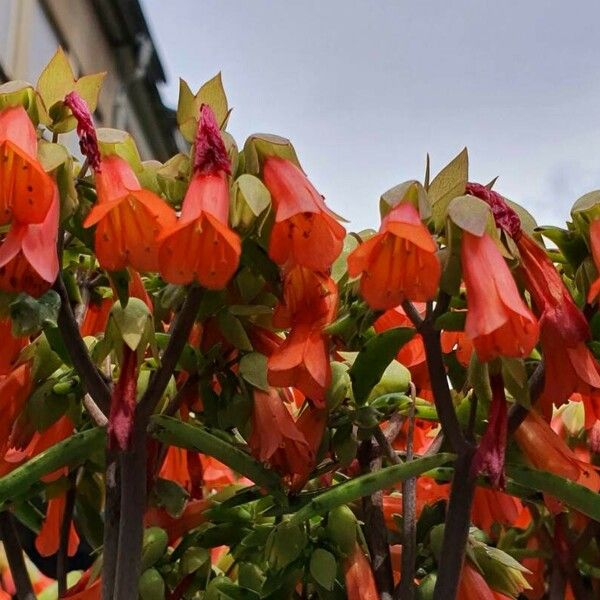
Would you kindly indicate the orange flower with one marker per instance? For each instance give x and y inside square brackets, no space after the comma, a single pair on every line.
[305,232]
[128,219]
[193,516]
[398,263]
[360,583]
[26,190]
[472,585]
[28,257]
[498,321]
[494,506]
[570,366]
[84,590]
[200,246]
[276,439]
[48,539]
[14,391]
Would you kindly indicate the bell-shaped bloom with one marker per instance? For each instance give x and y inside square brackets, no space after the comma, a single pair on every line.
[48,539]
[276,439]
[360,582]
[459,343]
[26,190]
[128,219]
[14,391]
[495,507]
[305,231]
[200,246]
[564,331]
[123,402]
[398,263]
[28,256]
[473,586]
[498,321]
[489,457]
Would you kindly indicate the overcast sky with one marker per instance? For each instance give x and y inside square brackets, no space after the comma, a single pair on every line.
[364,89]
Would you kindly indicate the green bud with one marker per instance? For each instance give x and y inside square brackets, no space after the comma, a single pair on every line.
[436,536]
[284,545]
[340,384]
[193,559]
[63,388]
[395,378]
[152,585]
[426,587]
[341,528]
[154,545]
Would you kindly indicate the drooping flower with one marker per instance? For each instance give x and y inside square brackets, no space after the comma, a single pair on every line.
[360,582]
[48,539]
[26,190]
[305,231]
[28,255]
[489,457]
[498,321]
[200,246]
[123,402]
[495,507]
[472,585]
[14,391]
[398,263]
[128,219]
[564,331]
[276,439]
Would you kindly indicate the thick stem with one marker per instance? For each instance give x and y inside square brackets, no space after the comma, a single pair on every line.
[456,530]
[112,518]
[375,529]
[62,558]
[133,507]
[14,555]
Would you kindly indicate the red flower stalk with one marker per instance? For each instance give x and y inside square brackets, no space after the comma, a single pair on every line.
[489,457]
[498,321]
[398,263]
[305,232]
[302,360]
[128,219]
[48,539]
[26,190]
[123,403]
[360,582]
[276,439]
[200,246]
[570,366]
[88,141]
[28,257]
[506,218]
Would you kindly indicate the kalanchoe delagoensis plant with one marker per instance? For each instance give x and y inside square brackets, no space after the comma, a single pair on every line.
[210,389]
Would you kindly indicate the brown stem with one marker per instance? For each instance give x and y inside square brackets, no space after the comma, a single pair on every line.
[14,555]
[112,518]
[62,557]
[375,529]
[517,413]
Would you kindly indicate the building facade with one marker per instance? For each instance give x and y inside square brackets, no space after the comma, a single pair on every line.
[97,35]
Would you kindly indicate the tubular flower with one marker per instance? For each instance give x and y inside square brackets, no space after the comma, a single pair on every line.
[28,257]
[48,539]
[305,232]
[200,246]
[360,583]
[489,457]
[123,402]
[276,439]
[14,391]
[26,190]
[398,263]
[302,360]
[472,585]
[494,506]
[128,219]
[498,321]
[570,366]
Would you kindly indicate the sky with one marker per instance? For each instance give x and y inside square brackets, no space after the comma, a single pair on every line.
[365,88]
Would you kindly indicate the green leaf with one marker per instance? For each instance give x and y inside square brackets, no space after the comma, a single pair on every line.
[574,495]
[285,544]
[171,495]
[570,243]
[233,331]
[470,214]
[72,451]
[260,145]
[30,315]
[365,485]
[253,368]
[409,191]
[119,143]
[323,568]
[374,358]
[183,435]
[250,199]
[132,322]
[449,183]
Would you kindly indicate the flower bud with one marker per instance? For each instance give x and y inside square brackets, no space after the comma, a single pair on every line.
[151,585]
[154,546]
[341,528]
[426,587]
[395,378]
